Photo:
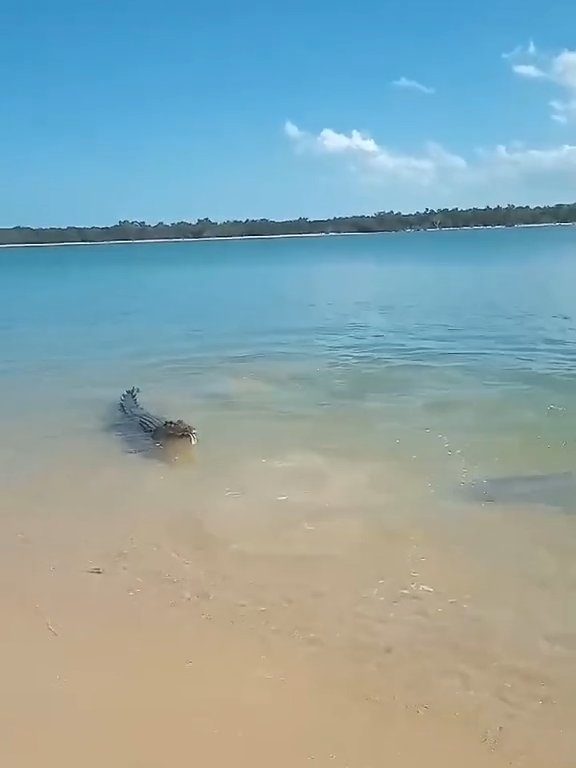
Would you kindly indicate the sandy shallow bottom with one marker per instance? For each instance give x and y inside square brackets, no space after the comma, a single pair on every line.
[293,608]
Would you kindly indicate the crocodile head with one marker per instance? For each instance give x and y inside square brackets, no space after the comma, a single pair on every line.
[176,430]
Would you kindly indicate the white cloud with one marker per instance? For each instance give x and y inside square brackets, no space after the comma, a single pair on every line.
[563,69]
[434,174]
[528,70]
[558,69]
[563,111]
[376,160]
[331,141]
[291,130]
[527,160]
[530,50]
[413,85]
[496,173]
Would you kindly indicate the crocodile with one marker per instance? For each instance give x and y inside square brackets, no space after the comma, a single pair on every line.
[163,431]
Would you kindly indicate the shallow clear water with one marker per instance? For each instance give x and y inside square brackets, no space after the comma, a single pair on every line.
[347,391]
[471,335]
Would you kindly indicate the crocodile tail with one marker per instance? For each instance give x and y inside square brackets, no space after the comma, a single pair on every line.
[131,407]
[129,400]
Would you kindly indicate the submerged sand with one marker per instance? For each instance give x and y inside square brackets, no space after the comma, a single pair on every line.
[292,608]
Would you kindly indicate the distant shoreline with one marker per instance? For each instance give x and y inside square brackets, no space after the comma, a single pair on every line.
[182,239]
[214,238]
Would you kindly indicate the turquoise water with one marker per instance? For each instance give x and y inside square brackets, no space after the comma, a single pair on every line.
[453,350]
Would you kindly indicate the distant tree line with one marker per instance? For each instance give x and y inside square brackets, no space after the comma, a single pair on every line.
[383,221]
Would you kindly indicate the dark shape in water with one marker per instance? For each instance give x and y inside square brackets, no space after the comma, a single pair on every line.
[553,490]
[163,431]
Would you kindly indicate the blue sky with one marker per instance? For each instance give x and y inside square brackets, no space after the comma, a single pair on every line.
[179,110]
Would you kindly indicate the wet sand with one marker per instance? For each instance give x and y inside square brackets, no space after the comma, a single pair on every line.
[302,609]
